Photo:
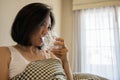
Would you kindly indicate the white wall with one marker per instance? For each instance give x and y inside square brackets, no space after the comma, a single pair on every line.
[9,9]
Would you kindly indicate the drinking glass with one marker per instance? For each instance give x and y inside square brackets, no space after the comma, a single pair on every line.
[48,41]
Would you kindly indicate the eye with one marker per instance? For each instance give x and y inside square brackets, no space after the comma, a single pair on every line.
[49,28]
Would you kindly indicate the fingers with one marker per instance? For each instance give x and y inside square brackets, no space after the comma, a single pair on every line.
[60,42]
[60,39]
[61,46]
[59,51]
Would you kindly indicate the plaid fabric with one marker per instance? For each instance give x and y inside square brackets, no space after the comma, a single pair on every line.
[87,76]
[49,69]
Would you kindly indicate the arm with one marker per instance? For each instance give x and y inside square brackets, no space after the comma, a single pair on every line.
[61,53]
[67,69]
[4,63]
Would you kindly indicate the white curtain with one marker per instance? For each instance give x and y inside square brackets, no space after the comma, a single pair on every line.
[97,42]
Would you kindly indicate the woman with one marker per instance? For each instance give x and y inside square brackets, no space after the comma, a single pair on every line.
[26,60]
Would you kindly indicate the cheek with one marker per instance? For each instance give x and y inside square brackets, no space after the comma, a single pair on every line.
[36,41]
[35,38]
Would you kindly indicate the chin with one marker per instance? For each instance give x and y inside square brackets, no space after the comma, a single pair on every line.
[39,44]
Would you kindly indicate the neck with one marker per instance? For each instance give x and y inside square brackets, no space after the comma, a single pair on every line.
[30,49]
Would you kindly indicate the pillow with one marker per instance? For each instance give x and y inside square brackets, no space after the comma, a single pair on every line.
[48,69]
[87,76]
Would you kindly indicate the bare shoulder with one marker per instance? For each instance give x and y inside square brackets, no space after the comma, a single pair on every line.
[4,63]
[4,50]
[4,53]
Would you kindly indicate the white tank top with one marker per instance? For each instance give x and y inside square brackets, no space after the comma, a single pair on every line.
[18,63]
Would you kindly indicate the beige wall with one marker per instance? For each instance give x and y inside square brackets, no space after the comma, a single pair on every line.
[67,24]
[8,10]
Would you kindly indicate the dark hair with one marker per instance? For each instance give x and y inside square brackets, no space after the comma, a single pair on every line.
[28,20]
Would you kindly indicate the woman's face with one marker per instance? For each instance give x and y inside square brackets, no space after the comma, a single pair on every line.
[36,38]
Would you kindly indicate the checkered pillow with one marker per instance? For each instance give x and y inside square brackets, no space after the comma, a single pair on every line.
[49,69]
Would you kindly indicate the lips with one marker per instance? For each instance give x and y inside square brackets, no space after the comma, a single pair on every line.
[41,42]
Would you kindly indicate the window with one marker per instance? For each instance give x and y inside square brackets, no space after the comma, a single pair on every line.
[100,41]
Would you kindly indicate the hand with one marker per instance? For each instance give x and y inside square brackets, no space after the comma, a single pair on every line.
[60,52]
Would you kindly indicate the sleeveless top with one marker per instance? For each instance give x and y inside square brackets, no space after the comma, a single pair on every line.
[22,69]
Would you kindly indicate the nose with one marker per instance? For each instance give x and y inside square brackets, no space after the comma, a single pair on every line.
[46,31]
